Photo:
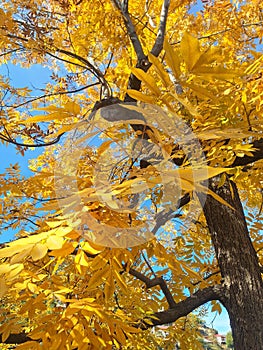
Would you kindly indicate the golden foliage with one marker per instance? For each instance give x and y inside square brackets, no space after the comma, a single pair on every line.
[59,281]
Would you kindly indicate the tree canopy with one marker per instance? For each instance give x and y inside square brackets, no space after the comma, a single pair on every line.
[151,129]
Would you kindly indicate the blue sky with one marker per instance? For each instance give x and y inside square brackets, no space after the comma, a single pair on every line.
[36,76]
[219,322]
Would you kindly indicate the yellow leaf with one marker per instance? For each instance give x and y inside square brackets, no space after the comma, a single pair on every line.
[216,307]
[29,345]
[109,287]
[217,72]
[82,259]
[3,287]
[120,281]
[50,108]
[60,231]
[15,271]
[64,129]
[6,334]
[38,251]
[93,339]
[190,50]
[213,54]
[63,291]
[147,79]
[200,91]
[32,287]
[9,251]
[172,59]
[98,277]
[138,96]
[160,70]
[91,248]
[23,252]
[104,146]
[54,242]
[191,108]
[72,107]
[120,335]
[65,250]
[54,224]
[130,329]
[253,68]
[4,268]
[46,117]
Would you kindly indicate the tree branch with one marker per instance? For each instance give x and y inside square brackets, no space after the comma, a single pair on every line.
[53,142]
[52,94]
[123,8]
[16,338]
[257,155]
[183,308]
[152,282]
[178,310]
[158,45]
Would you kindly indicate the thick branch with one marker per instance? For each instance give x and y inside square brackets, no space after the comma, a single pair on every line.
[183,308]
[158,45]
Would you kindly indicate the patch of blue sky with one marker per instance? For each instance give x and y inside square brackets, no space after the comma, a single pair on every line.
[197,6]
[220,322]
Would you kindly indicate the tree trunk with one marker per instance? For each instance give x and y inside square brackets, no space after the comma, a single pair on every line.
[239,266]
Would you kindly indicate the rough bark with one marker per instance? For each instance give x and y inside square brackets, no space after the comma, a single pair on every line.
[239,266]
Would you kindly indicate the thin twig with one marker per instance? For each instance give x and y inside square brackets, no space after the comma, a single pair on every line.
[52,94]
[44,144]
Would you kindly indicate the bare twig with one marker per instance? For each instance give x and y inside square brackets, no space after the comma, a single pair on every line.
[44,144]
[52,94]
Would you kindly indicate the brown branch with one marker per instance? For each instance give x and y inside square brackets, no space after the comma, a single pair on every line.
[52,94]
[183,308]
[86,64]
[16,338]
[257,155]
[10,52]
[158,45]
[176,311]
[152,282]
[123,8]
[44,144]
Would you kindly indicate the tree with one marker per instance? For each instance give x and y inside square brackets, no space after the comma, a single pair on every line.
[107,249]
